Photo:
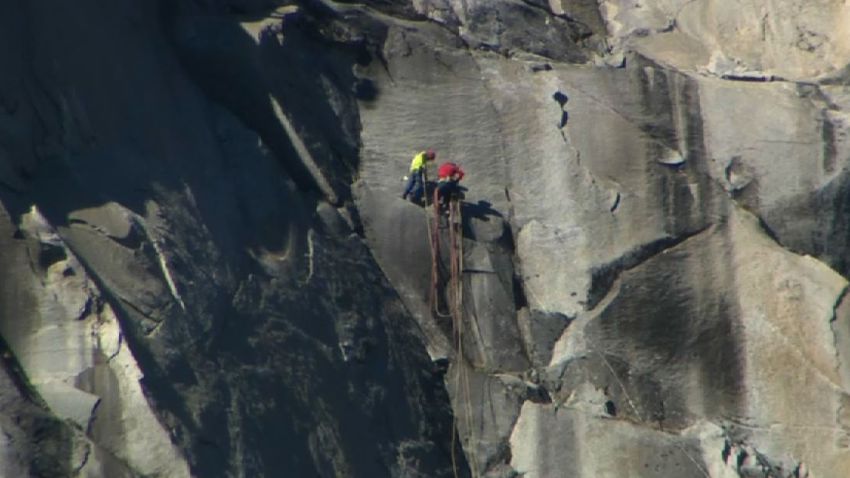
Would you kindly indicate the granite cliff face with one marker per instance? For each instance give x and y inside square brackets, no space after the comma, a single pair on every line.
[206,269]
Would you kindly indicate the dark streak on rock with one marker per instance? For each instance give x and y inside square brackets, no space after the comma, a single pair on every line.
[565,117]
[520,299]
[16,373]
[77,469]
[603,277]
[616,203]
[727,451]
[750,78]
[829,148]
[769,231]
[541,67]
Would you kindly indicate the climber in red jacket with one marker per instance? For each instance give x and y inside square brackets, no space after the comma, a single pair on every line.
[448,176]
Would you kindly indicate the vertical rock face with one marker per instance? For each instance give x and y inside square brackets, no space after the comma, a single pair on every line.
[177,295]
[206,269]
[791,39]
[664,216]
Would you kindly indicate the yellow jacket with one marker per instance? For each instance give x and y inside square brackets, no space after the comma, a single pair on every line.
[418,162]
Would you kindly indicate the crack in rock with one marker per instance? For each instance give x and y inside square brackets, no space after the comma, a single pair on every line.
[603,277]
[84,461]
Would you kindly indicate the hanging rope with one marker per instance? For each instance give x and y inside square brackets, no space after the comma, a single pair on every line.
[458,343]
[436,259]
[454,293]
[462,371]
[434,241]
[453,297]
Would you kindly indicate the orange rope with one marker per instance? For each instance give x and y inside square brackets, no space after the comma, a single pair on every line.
[454,299]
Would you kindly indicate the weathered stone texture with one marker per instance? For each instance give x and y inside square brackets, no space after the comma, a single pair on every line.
[793,39]
[166,286]
[550,441]
[648,244]
[206,269]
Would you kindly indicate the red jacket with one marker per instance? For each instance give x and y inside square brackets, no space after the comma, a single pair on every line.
[447,170]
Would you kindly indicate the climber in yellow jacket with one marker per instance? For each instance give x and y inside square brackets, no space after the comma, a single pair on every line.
[416,180]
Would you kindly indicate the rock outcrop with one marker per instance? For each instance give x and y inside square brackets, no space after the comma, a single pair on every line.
[206,269]
[180,298]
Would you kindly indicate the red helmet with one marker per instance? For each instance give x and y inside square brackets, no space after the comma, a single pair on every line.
[430,154]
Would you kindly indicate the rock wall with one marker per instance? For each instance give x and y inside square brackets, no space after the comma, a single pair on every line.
[674,240]
[206,268]
[179,297]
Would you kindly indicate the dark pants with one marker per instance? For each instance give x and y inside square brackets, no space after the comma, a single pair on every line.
[415,186]
[447,189]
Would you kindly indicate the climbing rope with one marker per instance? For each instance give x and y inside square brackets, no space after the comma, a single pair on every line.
[456,337]
[436,259]
[465,394]
[454,299]
[434,241]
